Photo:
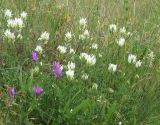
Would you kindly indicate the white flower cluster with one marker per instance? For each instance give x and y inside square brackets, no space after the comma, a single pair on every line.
[70,71]
[39,49]
[151,58]
[133,59]
[83,22]
[138,63]
[112,67]
[72,51]
[83,26]
[85,76]
[62,49]
[120,123]
[94,46]
[24,15]
[113,27]
[36,69]
[8,13]
[68,36]
[90,59]
[44,37]
[122,30]
[71,65]
[121,41]
[8,34]
[15,24]
[84,35]
[94,86]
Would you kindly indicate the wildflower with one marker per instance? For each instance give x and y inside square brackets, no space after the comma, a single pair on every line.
[11,23]
[83,22]
[57,69]
[38,90]
[112,67]
[11,91]
[94,86]
[138,63]
[72,51]
[71,110]
[121,41]
[120,123]
[62,49]
[34,56]
[40,63]
[132,58]
[85,76]
[82,37]
[8,13]
[68,36]
[86,33]
[19,22]
[70,74]
[151,58]
[39,49]
[8,34]
[91,59]
[19,36]
[83,55]
[23,15]
[94,46]
[113,27]
[122,30]
[110,90]
[99,99]
[129,34]
[36,69]
[15,23]
[71,65]
[44,37]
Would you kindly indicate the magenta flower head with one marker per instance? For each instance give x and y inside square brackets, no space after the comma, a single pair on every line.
[11,91]
[57,69]
[34,56]
[38,90]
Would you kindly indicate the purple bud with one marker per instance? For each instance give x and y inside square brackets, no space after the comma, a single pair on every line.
[34,56]
[11,91]
[57,69]
[38,90]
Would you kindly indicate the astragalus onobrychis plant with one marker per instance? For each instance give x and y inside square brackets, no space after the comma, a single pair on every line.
[61,69]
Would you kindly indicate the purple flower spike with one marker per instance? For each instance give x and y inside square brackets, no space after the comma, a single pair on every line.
[57,69]
[38,90]
[34,56]
[11,91]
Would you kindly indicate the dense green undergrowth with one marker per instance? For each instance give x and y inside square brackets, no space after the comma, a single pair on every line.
[82,62]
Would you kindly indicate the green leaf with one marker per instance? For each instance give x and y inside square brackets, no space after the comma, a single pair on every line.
[83,106]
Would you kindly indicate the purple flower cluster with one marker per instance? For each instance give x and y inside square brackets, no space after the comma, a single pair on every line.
[38,90]
[34,56]
[57,69]
[11,91]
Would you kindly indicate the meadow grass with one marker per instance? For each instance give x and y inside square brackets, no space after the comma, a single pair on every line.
[105,87]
